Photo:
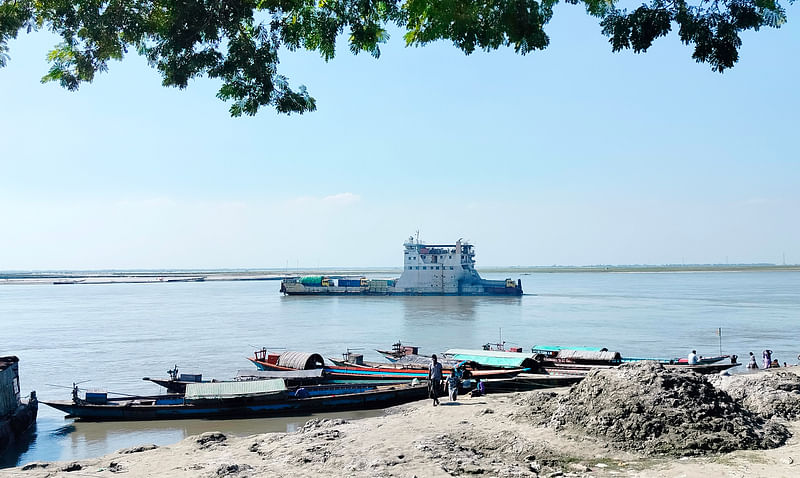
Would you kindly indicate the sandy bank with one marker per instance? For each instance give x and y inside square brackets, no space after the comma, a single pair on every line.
[485,436]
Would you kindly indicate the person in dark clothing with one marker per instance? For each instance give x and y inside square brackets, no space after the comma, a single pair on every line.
[434,379]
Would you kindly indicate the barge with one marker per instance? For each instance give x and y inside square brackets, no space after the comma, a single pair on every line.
[428,269]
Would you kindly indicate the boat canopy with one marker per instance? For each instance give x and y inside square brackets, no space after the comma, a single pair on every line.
[248,374]
[301,360]
[493,358]
[222,390]
[556,348]
[599,356]
[421,361]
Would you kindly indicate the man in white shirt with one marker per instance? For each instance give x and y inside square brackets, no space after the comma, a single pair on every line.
[693,360]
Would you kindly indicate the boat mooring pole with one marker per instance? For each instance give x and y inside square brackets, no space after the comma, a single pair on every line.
[719,332]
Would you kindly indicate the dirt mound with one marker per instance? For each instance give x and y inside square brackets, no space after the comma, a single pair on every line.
[648,408]
[768,394]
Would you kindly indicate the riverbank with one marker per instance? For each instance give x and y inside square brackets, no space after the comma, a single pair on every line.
[521,435]
[199,275]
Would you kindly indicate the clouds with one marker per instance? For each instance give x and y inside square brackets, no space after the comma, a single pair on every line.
[342,199]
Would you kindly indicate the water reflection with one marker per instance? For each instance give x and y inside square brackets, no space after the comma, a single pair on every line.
[10,457]
[431,309]
[79,440]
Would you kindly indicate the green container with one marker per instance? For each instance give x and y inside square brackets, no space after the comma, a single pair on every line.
[311,280]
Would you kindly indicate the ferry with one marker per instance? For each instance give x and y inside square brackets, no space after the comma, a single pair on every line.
[428,269]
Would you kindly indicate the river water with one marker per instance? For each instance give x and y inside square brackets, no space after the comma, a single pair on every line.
[115,334]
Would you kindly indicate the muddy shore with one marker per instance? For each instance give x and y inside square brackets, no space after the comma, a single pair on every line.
[634,421]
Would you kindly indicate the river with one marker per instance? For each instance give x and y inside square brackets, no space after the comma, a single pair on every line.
[112,335]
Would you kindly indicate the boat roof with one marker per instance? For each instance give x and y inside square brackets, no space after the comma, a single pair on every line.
[300,360]
[556,348]
[248,374]
[601,355]
[496,358]
[233,389]
[8,361]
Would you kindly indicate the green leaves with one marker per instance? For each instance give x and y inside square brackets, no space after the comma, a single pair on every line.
[638,29]
[713,28]
[472,24]
[238,41]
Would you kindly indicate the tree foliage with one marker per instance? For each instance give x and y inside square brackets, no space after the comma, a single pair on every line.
[238,41]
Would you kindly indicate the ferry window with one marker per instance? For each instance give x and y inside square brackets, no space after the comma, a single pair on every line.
[424,268]
[409,267]
[449,257]
[451,268]
[417,267]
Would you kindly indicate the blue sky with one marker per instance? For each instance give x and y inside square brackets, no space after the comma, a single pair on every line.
[570,156]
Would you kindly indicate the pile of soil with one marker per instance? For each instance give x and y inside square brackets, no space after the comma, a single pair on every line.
[647,408]
[768,394]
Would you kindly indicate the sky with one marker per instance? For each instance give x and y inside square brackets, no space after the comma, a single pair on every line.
[570,156]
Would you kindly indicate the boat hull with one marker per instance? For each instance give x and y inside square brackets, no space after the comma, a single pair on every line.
[172,408]
[14,426]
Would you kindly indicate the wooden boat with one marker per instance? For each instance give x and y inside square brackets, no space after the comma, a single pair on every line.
[17,415]
[578,361]
[701,360]
[302,401]
[399,351]
[417,364]
[336,373]
[553,351]
[583,369]
[496,359]
[571,361]
[176,383]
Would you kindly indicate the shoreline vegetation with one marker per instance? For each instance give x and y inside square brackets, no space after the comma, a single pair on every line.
[196,275]
[638,420]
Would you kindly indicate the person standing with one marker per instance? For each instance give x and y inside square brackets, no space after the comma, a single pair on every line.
[452,386]
[767,356]
[434,379]
[753,363]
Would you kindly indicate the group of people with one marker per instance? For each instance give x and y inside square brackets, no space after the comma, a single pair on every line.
[767,360]
[435,379]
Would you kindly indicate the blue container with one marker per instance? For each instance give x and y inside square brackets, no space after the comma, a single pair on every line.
[96,397]
[349,282]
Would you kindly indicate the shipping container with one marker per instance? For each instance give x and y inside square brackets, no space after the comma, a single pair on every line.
[350,282]
[311,280]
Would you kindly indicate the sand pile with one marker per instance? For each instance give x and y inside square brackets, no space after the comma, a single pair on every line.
[650,409]
[768,394]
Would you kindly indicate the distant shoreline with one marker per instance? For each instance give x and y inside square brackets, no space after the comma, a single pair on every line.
[171,276]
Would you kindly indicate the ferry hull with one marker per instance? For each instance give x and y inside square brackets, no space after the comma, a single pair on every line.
[299,289]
